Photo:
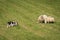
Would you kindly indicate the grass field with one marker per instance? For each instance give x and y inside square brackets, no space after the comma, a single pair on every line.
[26,13]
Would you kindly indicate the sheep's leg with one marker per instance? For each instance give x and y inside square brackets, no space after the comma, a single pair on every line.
[45,22]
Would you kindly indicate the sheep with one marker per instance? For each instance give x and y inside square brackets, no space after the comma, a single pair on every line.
[50,19]
[42,18]
[46,19]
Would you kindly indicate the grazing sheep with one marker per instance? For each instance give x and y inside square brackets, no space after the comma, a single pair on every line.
[42,18]
[50,19]
[46,19]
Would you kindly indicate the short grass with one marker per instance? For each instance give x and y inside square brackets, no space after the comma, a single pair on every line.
[26,13]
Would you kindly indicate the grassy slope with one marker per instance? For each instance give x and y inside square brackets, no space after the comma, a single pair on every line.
[26,13]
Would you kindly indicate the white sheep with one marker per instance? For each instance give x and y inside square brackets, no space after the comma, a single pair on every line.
[50,19]
[42,18]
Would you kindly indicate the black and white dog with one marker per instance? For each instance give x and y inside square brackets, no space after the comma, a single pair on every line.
[11,24]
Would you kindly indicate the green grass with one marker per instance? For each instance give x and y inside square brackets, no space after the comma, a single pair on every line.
[26,13]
